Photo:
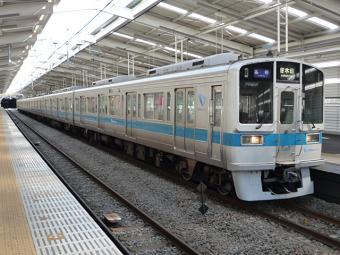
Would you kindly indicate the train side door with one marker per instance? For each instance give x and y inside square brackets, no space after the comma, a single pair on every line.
[102,110]
[215,119]
[131,113]
[287,127]
[82,109]
[73,107]
[185,119]
[58,107]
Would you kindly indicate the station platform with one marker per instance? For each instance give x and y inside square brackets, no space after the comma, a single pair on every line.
[326,177]
[331,154]
[38,214]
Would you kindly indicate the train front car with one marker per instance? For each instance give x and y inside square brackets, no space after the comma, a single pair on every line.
[276,135]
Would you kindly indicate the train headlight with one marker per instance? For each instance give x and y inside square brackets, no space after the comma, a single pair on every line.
[313,138]
[252,140]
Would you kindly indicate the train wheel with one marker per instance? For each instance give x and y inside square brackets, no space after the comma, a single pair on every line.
[225,186]
[225,189]
[185,174]
[182,169]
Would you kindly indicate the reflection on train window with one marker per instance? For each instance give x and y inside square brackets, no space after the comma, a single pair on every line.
[134,104]
[217,107]
[91,104]
[179,105]
[312,87]
[256,94]
[159,106]
[287,107]
[149,106]
[168,106]
[115,105]
[103,104]
[191,107]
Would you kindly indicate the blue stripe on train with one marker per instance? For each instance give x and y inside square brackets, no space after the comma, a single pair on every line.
[198,134]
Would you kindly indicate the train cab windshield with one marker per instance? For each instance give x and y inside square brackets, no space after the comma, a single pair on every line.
[312,89]
[256,93]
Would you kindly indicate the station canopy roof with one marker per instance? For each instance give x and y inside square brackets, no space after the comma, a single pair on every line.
[46,46]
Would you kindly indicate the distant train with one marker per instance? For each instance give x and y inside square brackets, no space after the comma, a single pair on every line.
[253,127]
[9,102]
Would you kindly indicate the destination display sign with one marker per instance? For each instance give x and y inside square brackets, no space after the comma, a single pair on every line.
[288,72]
[261,73]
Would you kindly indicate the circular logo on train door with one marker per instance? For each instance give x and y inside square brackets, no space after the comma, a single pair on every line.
[201,101]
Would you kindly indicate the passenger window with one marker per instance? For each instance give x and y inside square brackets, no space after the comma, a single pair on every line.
[131,99]
[82,104]
[312,88]
[256,93]
[217,107]
[61,103]
[168,106]
[149,106]
[88,104]
[91,104]
[191,107]
[139,106]
[115,105]
[287,107]
[70,104]
[66,104]
[94,110]
[179,106]
[103,105]
[77,104]
[159,106]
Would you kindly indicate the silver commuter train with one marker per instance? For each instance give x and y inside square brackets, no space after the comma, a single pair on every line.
[253,125]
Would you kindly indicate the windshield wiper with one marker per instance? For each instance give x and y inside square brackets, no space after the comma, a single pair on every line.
[313,126]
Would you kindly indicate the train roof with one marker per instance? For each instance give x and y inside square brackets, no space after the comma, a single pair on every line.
[222,69]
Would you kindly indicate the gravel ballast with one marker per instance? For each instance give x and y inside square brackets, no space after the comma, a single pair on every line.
[223,230]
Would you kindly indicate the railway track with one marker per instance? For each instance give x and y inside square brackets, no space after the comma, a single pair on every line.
[312,213]
[121,232]
[283,221]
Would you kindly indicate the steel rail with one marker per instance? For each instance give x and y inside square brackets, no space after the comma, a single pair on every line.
[167,233]
[312,213]
[310,233]
[101,224]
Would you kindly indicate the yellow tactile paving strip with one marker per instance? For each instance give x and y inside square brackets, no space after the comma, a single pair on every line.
[59,225]
[15,234]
